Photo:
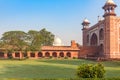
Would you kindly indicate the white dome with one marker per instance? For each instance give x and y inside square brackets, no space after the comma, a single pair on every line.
[110,2]
[86,20]
[57,42]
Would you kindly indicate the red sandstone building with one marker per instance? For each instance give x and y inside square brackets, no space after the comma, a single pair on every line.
[101,40]
[105,34]
[56,51]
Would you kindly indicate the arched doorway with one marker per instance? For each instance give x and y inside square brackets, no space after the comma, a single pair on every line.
[68,54]
[47,54]
[61,54]
[17,54]
[40,54]
[94,40]
[9,55]
[1,54]
[101,34]
[101,52]
[87,38]
[32,54]
[54,54]
[25,54]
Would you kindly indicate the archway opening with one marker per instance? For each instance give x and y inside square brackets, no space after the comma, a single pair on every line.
[54,54]
[101,34]
[47,54]
[32,54]
[9,55]
[40,54]
[1,54]
[68,54]
[94,40]
[17,54]
[61,54]
[25,54]
[101,52]
[87,38]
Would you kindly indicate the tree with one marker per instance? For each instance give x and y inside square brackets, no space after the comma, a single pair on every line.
[34,40]
[47,37]
[14,40]
[40,38]
[21,41]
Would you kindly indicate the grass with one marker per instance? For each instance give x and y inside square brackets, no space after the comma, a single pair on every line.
[49,68]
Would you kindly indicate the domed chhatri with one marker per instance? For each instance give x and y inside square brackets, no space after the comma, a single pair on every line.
[57,42]
[109,8]
[110,2]
[85,23]
[86,20]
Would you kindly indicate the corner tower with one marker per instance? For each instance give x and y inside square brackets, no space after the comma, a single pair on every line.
[111,31]
[85,25]
[109,8]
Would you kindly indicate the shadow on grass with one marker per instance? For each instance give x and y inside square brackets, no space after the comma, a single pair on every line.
[36,71]
[67,61]
[52,69]
[112,67]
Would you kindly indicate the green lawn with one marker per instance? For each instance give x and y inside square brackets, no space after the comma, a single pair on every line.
[50,68]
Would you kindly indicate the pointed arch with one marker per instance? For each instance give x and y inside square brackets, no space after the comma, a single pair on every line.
[101,52]
[40,54]
[87,38]
[47,54]
[17,54]
[61,54]
[32,54]
[94,40]
[1,54]
[54,54]
[68,54]
[101,34]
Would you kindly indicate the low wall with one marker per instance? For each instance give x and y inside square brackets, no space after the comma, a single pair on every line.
[88,50]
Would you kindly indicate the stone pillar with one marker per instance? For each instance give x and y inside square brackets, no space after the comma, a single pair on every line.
[43,54]
[5,55]
[36,55]
[13,54]
[58,54]
[50,54]
[20,55]
[28,54]
[65,54]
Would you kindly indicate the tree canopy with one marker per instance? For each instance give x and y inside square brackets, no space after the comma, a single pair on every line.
[32,40]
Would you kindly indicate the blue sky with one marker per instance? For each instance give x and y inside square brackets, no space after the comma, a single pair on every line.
[61,17]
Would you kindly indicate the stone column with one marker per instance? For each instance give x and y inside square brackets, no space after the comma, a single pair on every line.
[43,54]
[36,55]
[28,54]
[20,55]
[5,55]
[13,54]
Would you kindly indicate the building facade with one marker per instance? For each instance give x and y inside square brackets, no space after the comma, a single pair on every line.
[105,34]
[46,52]
[101,40]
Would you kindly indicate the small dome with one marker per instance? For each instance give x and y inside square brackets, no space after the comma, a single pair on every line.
[86,20]
[57,42]
[110,2]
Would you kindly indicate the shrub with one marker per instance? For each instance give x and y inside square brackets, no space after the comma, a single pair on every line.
[74,58]
[27,57]
[59,57]
[91,71]
[65,57]
[10,57]
[50,57]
